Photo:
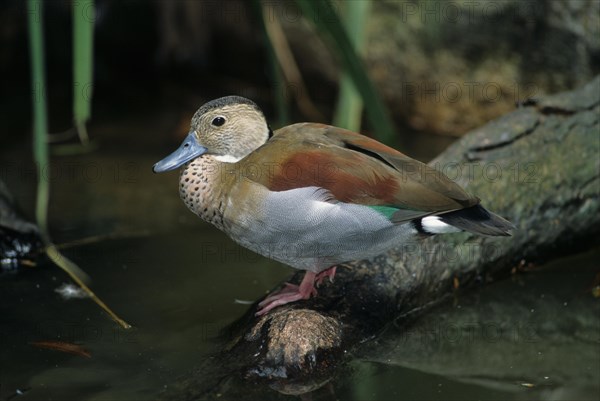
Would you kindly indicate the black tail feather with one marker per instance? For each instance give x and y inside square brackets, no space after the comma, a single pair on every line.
[478,220]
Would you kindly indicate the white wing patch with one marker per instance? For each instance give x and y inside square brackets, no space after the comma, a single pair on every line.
[435,225]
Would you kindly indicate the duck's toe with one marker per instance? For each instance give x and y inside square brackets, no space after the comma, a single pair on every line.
[290,293]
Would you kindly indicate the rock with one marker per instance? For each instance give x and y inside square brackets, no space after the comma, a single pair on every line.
[20,239]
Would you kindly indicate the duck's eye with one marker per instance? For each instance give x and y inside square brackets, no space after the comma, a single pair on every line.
[218,121]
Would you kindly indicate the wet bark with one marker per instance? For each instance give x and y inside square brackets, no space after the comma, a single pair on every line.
[538,166]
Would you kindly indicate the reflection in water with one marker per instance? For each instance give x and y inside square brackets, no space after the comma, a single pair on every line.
[177,307]
[536,336]
[533,336]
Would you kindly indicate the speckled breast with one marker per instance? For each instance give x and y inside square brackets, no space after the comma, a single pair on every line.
[199,189]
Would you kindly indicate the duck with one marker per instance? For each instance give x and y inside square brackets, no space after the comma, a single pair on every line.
[313,196]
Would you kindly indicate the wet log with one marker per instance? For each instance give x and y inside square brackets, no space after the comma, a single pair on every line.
[538,166]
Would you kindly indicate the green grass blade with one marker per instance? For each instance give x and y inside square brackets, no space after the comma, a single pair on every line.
[40,110]
[322,13]
[83,44]
[41,152]
[278,81]
[348,113]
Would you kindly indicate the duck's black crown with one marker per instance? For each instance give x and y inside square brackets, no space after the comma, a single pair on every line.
[226,101]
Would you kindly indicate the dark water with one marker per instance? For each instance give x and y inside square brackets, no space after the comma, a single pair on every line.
[179,281]
[175,295]
[535,336]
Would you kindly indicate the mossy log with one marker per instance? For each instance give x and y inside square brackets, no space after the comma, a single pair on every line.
[538,166]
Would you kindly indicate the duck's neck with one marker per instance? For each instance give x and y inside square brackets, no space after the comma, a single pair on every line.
[201,187]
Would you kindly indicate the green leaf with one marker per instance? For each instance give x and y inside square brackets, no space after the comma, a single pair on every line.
[83,44]
[278,81]
[41,153]
[348,113]
[323,15]
[40,110]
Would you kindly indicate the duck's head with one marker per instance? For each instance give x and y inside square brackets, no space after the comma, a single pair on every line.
[229,128]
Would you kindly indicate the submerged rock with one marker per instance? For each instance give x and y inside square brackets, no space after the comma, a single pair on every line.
[20,240]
